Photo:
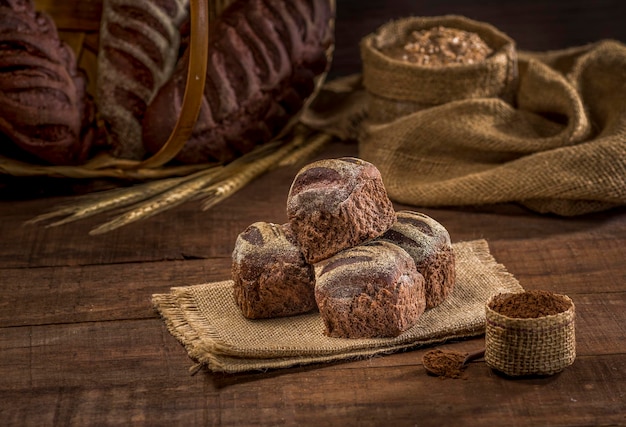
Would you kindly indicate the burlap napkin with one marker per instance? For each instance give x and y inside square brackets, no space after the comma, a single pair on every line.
[205,319]
[556,143]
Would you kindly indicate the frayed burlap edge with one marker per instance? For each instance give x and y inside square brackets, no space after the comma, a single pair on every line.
[185,320]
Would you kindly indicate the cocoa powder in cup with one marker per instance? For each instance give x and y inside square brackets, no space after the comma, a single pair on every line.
[530,305]
[530,333]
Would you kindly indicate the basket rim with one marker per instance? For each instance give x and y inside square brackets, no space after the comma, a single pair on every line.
[541,319]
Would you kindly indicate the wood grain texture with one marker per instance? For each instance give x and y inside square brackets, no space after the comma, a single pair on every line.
[55,295]
[80,338]
[83,372]
[80,343]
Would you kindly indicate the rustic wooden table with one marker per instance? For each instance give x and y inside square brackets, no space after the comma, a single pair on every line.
[80,343]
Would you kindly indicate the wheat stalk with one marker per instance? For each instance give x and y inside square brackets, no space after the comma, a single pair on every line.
[106,201]
[151,206]
[225,181]
[214,184]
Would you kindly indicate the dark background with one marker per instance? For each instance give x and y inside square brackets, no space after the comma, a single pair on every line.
[534,25]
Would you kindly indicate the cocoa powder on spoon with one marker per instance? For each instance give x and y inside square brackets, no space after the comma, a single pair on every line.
[448,363]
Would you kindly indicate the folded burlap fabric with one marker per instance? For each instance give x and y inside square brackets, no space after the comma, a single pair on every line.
[206,320]
[557,145]
[397,87]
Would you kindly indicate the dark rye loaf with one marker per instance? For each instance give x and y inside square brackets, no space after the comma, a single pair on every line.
[139,41]
[264,57]
[271,277]
[335,204]
[44,110]
[369,291]
[428,243]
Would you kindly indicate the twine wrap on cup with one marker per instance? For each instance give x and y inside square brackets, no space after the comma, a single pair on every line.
[530,346]
[397,87]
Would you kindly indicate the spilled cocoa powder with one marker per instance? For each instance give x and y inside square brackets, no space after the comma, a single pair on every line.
[445,363]
[440,46]
[530,304]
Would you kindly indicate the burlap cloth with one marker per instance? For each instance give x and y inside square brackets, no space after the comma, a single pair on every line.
[206,320]
[543,129]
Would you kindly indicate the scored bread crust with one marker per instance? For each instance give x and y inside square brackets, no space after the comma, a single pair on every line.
[139,41]
[369,291]
[335,204]
[44,109]
[265,58]
[428,243]
[271,277]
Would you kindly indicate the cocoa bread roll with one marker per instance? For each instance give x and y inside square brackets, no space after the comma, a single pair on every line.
[271,278]
[369,291]
[428,243]
[139,42]
[336,204]
[44,110]
[265,58]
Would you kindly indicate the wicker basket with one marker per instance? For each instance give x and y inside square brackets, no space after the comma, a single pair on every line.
[78,25]
[159,184]
[530,346]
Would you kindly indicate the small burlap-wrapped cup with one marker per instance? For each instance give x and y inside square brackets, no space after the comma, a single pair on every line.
[518,346]
[397,87]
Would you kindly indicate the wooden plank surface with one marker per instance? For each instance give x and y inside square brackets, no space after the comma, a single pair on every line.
[80,343]
[80,338]
[87,367]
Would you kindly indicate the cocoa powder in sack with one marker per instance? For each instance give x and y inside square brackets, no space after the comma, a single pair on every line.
[420,62]
[487,132]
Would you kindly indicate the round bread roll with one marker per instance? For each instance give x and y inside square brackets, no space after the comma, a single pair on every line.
[428,243]
[336,204]
[271,277]
[369,291]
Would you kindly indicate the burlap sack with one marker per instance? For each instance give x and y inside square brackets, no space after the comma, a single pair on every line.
[208,322]
[397,88]
[559,147]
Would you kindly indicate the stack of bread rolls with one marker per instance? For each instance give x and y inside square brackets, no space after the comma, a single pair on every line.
[369,270]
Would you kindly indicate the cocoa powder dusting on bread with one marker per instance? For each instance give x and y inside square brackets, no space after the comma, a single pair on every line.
[271,277]
[428,243]
[335,204]
[139,42]
[369,291]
